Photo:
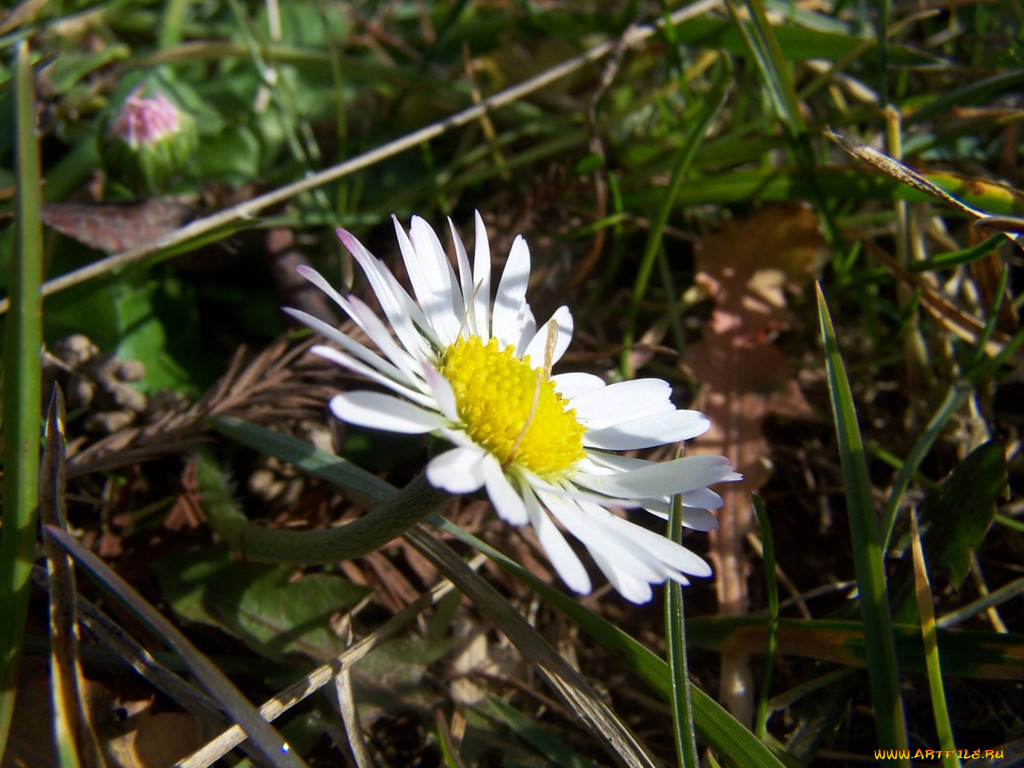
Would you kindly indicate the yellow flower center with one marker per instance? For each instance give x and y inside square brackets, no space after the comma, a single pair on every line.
[511,408]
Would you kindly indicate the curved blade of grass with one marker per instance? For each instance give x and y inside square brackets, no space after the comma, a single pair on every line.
[926,614]
[562,678]
[367,490]
[21,397]
[264,738]
[867,551]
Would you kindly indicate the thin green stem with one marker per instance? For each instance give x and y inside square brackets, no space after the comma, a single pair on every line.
[683,723]
[21,398]
[323,547]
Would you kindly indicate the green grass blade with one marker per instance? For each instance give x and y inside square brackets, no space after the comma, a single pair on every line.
[961,256]
[772,590]
[683,726]
[367,489]
[867,551]
[776,73]
[21,398]
[929,637]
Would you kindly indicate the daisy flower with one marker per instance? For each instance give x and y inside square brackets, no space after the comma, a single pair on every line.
[543,445]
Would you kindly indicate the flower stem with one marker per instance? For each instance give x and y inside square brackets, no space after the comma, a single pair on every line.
[323,547]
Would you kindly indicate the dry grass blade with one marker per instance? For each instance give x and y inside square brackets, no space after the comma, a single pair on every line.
[898,171]
[104,631]
[345,701]
[954,319]
[75,737]
[911,178]
[268,743]
[614,735]
[315,680]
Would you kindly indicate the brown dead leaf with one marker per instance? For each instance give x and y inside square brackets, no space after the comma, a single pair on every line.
[747,268]
[117,228]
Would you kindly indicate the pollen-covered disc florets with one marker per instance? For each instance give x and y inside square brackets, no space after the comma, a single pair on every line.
[511,408]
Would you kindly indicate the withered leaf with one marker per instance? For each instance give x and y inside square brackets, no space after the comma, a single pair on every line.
[120,227]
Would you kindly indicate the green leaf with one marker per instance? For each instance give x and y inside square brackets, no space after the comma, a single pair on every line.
[263,605]
[150,319]
[956,521]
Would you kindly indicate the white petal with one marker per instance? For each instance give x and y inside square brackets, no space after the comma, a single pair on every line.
[506,500]
[623,400]
[587,522]
[321,282]
[432,278]
[661,547]
[612,462]
[407,391]
[465,280]
[694,518]
[635,590]
[481,279]
[647,431]
[402,312]
[697,519]
[563,558]
[511,296]
[352,347]
[457,471]
[570,385]
[537,348]
[527,329]
[678,476]
[442,391]
[380,411]
[381,336]
[702,498]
